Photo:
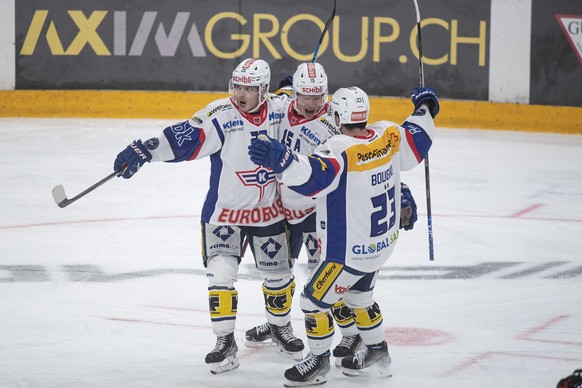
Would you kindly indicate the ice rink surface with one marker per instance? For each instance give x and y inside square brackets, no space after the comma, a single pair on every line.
[111,291]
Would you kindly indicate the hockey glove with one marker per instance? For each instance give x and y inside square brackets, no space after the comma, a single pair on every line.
[408,214]
[131,159]
[270,153]
[428,97]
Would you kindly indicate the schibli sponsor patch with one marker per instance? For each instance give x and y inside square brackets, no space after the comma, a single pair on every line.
[251,216]
[308,90]
[242,79]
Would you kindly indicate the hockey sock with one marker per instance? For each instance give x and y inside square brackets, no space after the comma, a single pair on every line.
[319,329]
[223,303]
[278,302]
[344,317]
[369,322]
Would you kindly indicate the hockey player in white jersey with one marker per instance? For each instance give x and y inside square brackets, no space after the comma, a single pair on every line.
[305,127]
[242,202]
[355,177]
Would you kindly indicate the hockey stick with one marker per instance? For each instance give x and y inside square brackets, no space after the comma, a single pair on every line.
[426,164]
[327,24]
[61,198]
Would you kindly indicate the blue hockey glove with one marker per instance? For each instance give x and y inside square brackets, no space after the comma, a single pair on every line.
[270,153]
[408,214]
[131,158]
[426,96]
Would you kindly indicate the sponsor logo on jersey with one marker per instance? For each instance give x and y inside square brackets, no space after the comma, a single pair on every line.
[251,216]
[219,108]
[308,133]
[361,249]
[197,119]
[374,154]
[298,214]
[276,116]
[233,125]
[328,124]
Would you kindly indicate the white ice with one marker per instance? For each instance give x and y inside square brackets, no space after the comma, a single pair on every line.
[111,291]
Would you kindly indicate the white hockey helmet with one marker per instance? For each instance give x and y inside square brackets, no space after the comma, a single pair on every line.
[252,72]
[351,104]
[310,80]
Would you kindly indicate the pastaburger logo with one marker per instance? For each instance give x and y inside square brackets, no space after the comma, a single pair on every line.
[572,27]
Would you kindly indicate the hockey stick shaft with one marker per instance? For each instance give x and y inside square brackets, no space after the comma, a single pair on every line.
[61,198]
[426,162]
[327,24]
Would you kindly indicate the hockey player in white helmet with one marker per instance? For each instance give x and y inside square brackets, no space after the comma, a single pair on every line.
[242,203]
[305,127]
[355,177]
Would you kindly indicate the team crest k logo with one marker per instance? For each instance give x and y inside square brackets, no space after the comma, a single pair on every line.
[260,177]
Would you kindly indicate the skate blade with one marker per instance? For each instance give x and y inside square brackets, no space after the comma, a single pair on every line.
[319,380]
[383,370]
[226,365]
[295,356]
[262,344]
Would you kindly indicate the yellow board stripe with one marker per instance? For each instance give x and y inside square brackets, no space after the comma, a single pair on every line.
[181,105]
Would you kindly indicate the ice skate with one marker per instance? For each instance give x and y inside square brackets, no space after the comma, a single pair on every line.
[259,336]
[287,344]
[347,347]
[223,357]
[372,357]
[309,372]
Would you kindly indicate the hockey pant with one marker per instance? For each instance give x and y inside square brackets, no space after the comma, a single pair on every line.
[328,283]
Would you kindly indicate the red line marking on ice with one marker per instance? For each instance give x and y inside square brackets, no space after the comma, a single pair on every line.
[105,220]
[529,334]
[58,223]
[185,325]
[472,361]
[526,210]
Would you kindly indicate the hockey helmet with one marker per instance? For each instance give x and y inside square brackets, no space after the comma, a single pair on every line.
[351,105]
[310,80]
[252,72]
